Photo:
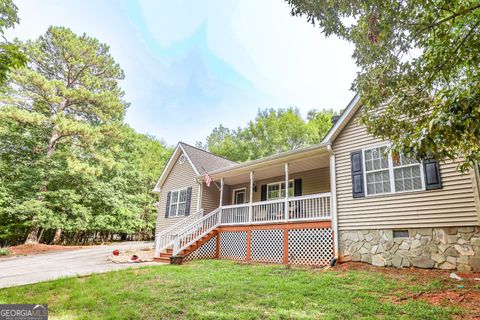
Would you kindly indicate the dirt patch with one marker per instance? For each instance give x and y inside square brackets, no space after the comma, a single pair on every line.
[28,249]
[464,293]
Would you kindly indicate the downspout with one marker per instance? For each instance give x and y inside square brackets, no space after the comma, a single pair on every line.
[333,199]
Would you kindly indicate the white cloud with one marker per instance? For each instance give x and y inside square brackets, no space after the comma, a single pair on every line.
[253,55]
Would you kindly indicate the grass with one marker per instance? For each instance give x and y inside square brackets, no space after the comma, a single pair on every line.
[4,252]
[216,289]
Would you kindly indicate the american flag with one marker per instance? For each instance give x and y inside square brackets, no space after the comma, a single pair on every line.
[208,179]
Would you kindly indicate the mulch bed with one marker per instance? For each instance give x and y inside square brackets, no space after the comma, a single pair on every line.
[28,249]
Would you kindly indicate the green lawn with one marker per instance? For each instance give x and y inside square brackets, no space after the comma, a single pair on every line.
[216,289]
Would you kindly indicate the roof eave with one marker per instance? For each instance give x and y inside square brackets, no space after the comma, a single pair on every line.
[352,107]
[255,164]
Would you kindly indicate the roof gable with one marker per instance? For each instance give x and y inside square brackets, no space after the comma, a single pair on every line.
[200,160]
[345,117]
[205,161]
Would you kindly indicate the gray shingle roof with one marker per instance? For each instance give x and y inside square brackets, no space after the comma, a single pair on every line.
[202,159]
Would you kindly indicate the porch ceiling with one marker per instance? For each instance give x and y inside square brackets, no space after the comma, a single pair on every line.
[319,160]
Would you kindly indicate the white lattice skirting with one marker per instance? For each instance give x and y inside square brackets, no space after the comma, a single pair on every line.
[313,246]
[206,251]
[267,245]
[310,246]
[233,245]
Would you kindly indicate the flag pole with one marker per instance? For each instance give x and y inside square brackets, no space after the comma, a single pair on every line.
[216,185]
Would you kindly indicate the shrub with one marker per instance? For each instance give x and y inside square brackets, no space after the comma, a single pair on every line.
[4,252]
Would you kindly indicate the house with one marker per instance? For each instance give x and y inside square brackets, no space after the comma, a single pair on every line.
[343,198]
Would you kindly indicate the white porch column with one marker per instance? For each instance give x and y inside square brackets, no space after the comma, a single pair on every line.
[221,192]
[333,200]
[250,207]
[286,193]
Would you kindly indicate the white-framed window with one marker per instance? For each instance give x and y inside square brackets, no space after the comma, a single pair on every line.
[407,174]
[377,175]
[276,190]
[388,173]
[178,203]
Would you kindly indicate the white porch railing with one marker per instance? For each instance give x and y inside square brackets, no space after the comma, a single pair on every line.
[196,231]
[235,214]
[310,207]
[268,211]
[165,238]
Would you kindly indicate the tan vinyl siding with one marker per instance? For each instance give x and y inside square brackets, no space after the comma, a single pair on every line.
[313,182]
[181,176]
[454,205]
[210,198]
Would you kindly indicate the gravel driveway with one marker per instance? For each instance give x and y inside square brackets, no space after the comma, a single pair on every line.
[48,266]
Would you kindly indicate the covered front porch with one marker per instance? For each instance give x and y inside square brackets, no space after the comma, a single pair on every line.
[277,191]
[278,210]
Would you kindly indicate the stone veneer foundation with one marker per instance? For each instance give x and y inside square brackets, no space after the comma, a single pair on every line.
[442,248]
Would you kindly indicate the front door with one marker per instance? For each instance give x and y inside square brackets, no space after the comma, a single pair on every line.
[239,196]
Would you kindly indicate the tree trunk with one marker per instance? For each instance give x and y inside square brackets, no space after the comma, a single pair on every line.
[40,236]
[32,237]
[58,236]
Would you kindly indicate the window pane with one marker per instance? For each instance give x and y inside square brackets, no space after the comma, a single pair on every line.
[375,159]
[370,188]
[386,186]
[407,178]
[183,196]
[378,182]
[404,161]
[181,209]
[379,187]
[408,184]
[369,165]
[368,155]
[273,191]
[370,178]
[173,210]
[174,198]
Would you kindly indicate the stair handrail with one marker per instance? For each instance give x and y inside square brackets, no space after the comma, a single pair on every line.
[196,231]
[165,238]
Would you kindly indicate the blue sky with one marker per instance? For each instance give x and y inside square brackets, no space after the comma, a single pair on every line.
[192,65]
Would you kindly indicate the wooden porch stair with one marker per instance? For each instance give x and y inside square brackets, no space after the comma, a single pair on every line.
[165,257]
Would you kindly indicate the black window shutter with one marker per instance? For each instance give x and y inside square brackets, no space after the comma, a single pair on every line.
[357,174]
[263,193]
[431,171]
[189,201]
[167,209]
[297,187]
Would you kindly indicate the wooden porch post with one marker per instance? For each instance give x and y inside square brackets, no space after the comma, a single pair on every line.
[285,245]
[286,193]
[217,245]
[250,208]
[248,256]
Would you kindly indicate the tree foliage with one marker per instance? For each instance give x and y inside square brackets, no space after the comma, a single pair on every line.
[11,56]
[419,77]
[271,132]
[70,168]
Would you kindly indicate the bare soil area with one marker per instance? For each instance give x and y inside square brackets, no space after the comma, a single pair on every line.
[463,293]
[29,249]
